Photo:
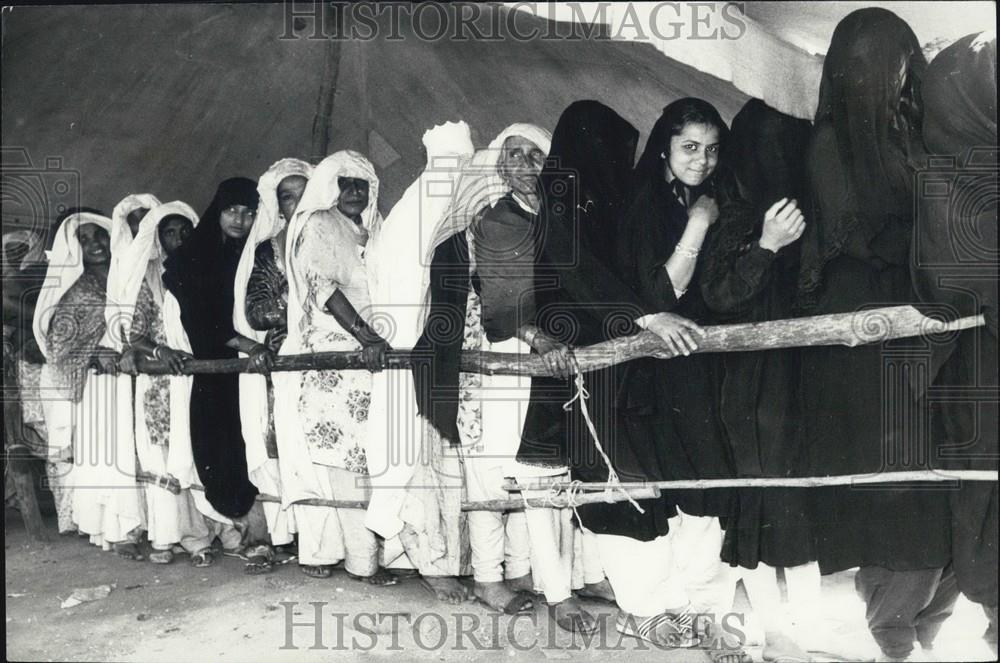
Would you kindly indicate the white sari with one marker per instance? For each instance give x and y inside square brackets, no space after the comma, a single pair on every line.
[255,416]
[96,429]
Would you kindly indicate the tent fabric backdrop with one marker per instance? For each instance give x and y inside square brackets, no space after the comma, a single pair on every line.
[173,99]
[778,55]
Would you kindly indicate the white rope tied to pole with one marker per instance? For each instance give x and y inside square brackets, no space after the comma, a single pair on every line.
[613,482]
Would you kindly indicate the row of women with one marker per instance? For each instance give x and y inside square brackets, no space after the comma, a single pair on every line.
[544,243]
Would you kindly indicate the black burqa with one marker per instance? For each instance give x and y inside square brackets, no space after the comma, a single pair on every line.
[581,300]
[955,273]
[744,283]
[200,275]
[681,403]
[860,416]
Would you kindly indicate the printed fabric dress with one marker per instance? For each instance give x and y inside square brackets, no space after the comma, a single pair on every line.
[267,308]
[333,404]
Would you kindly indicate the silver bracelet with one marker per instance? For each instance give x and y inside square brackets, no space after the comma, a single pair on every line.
[156,352]
[686,251]
[529,336]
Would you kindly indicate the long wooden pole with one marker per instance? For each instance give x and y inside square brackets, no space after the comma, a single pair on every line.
[850,329]
[907,476]
[554,501]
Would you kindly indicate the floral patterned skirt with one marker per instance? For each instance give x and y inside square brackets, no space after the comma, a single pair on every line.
[333,407]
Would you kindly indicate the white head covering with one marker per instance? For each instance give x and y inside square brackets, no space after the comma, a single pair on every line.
[253,387]
[481,184]
[142,258]
[267,225]
[298,476]
[399,255]
[36,246]
[129,204]
[65,267]
[321,194]
[398,265]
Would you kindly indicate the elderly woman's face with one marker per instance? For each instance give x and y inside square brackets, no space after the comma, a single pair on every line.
[173,230]
[353,196]
[237,220]
[694,153]
[520,163]
[290,191]
[134,218]
[95,244]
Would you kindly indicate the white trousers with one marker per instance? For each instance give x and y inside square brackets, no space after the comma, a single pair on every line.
[670,572]
[803,584]
[328,535]
[515,543]
[538,539]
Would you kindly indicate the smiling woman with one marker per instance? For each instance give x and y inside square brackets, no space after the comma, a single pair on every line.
[81,417]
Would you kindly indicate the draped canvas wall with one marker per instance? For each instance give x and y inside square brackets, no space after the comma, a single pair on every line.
[172,99]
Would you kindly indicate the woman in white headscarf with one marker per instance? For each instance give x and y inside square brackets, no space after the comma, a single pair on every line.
[84,421]
[129,213]
[321,416]
[497,205]
[147,318]
[415,470]
[259,312]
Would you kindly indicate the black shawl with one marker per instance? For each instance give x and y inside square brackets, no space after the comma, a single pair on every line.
[680,397]
[581,300]
[955,273]
[746,283]
[437,354]
[200,275]
[866,135]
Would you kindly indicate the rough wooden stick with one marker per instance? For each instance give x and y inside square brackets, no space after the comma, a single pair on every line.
[512,504]
[753,482]
[850,329]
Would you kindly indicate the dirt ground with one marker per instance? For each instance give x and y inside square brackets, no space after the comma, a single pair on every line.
[179,613]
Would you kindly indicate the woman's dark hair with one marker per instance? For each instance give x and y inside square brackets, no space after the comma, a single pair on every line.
[676,116]
[174,217]
[874,119]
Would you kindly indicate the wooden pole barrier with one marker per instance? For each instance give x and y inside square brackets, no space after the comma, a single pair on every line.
[512,504]
[589,493]
[850,329]
[908,476]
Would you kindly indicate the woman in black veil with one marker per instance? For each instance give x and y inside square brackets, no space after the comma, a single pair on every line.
[751,263]
[201,275]
[859,416]
[955,272]
[580,301]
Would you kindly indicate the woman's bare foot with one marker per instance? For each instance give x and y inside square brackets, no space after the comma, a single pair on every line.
[129,550]
[161,556]
[782,648]
[498,596]
[570,616]
[525,583]
[446,588]
[723,647]
[316,570]
[600,591]
[381,578]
